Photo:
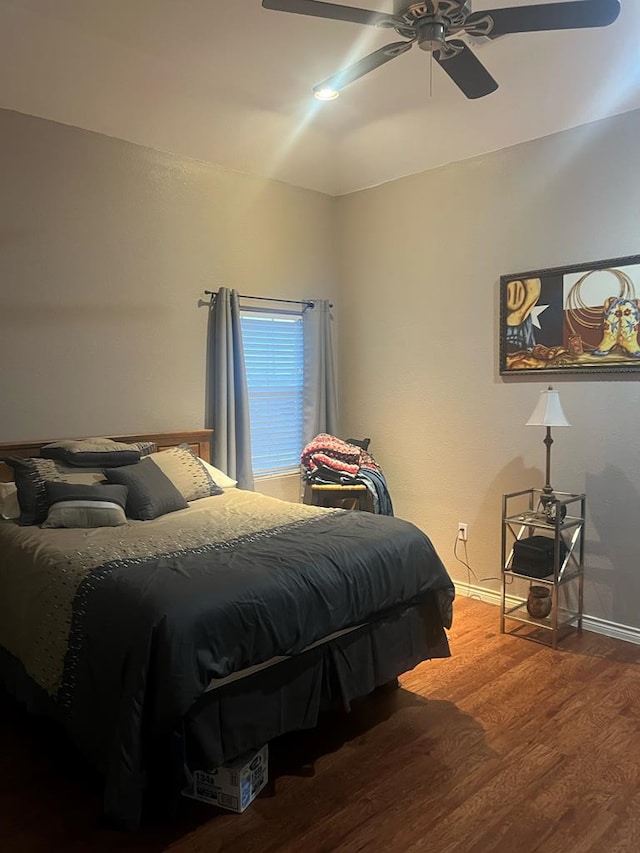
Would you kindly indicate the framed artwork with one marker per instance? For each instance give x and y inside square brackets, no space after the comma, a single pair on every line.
[576,319]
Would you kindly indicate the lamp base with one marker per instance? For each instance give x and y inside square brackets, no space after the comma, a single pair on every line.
[551,508]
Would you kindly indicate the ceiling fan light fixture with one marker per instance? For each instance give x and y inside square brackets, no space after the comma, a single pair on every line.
[326,93]
[431,35]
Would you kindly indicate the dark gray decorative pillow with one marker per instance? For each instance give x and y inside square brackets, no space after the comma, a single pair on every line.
[92,452]
[80,505]
[151,493]
[31,474]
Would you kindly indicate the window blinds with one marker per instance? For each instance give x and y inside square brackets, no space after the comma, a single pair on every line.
[274,352]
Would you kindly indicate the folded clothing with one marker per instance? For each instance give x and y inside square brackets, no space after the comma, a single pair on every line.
[328,451]
[328,459]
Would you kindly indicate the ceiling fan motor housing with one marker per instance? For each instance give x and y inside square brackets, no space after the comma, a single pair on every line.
[431,21]
[454,11]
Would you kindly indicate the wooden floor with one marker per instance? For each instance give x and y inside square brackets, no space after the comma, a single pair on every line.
[507,746]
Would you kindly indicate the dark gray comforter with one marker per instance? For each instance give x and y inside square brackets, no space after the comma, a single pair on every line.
[148,632]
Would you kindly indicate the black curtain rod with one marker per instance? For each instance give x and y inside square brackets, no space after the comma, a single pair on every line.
[304,302]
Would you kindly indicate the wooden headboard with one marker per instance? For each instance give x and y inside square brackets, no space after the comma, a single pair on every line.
[198,441]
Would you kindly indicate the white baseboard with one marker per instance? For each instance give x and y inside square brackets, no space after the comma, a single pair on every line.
[589,623]
[611,629]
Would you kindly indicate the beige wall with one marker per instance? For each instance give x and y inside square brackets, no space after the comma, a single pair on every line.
[287,487]
[106,249]
[422,257]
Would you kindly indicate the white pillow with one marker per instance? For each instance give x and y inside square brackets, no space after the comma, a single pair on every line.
[219,476]
[9,506]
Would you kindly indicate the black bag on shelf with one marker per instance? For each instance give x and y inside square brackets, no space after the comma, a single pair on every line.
[534,556]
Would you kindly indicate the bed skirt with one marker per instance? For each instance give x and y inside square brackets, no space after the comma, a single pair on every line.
[292,694]
[288,696]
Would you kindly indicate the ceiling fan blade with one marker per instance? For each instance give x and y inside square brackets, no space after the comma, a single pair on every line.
[331,10]
[545,16]
[364,66]
[465,69]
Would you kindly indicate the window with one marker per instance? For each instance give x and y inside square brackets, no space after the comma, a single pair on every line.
[274,355]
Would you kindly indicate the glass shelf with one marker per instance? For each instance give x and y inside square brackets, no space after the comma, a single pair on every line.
[537,520]
[519,613]
[547,581]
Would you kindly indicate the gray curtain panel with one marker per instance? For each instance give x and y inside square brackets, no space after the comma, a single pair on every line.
[228,398]
[320,387]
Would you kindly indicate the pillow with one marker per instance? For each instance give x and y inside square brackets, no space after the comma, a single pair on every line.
[30,476]
[9,506]
[80,505]
[95,452]
[151,493]
[219,476]
[186,472]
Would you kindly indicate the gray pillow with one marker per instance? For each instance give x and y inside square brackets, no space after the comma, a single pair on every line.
[81,505]
[90,452]
[30,476]
[151,493]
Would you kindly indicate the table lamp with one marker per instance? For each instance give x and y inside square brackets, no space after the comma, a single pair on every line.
[548,413]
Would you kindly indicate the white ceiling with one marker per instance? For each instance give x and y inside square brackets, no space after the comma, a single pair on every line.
[228,82]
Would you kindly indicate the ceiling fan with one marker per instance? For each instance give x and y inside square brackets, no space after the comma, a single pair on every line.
[431,23]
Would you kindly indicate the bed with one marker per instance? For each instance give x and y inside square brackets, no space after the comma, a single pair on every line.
[185,639]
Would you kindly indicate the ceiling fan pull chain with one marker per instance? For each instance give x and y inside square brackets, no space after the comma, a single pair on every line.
[431,76]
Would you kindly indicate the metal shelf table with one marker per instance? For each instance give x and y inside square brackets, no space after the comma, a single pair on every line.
[523,515]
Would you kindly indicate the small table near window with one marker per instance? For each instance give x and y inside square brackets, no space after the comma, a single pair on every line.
[338,497]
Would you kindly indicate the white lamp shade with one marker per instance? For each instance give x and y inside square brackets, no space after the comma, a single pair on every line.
[548,411]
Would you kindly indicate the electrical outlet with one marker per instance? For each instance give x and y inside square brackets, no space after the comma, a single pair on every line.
[463,530]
